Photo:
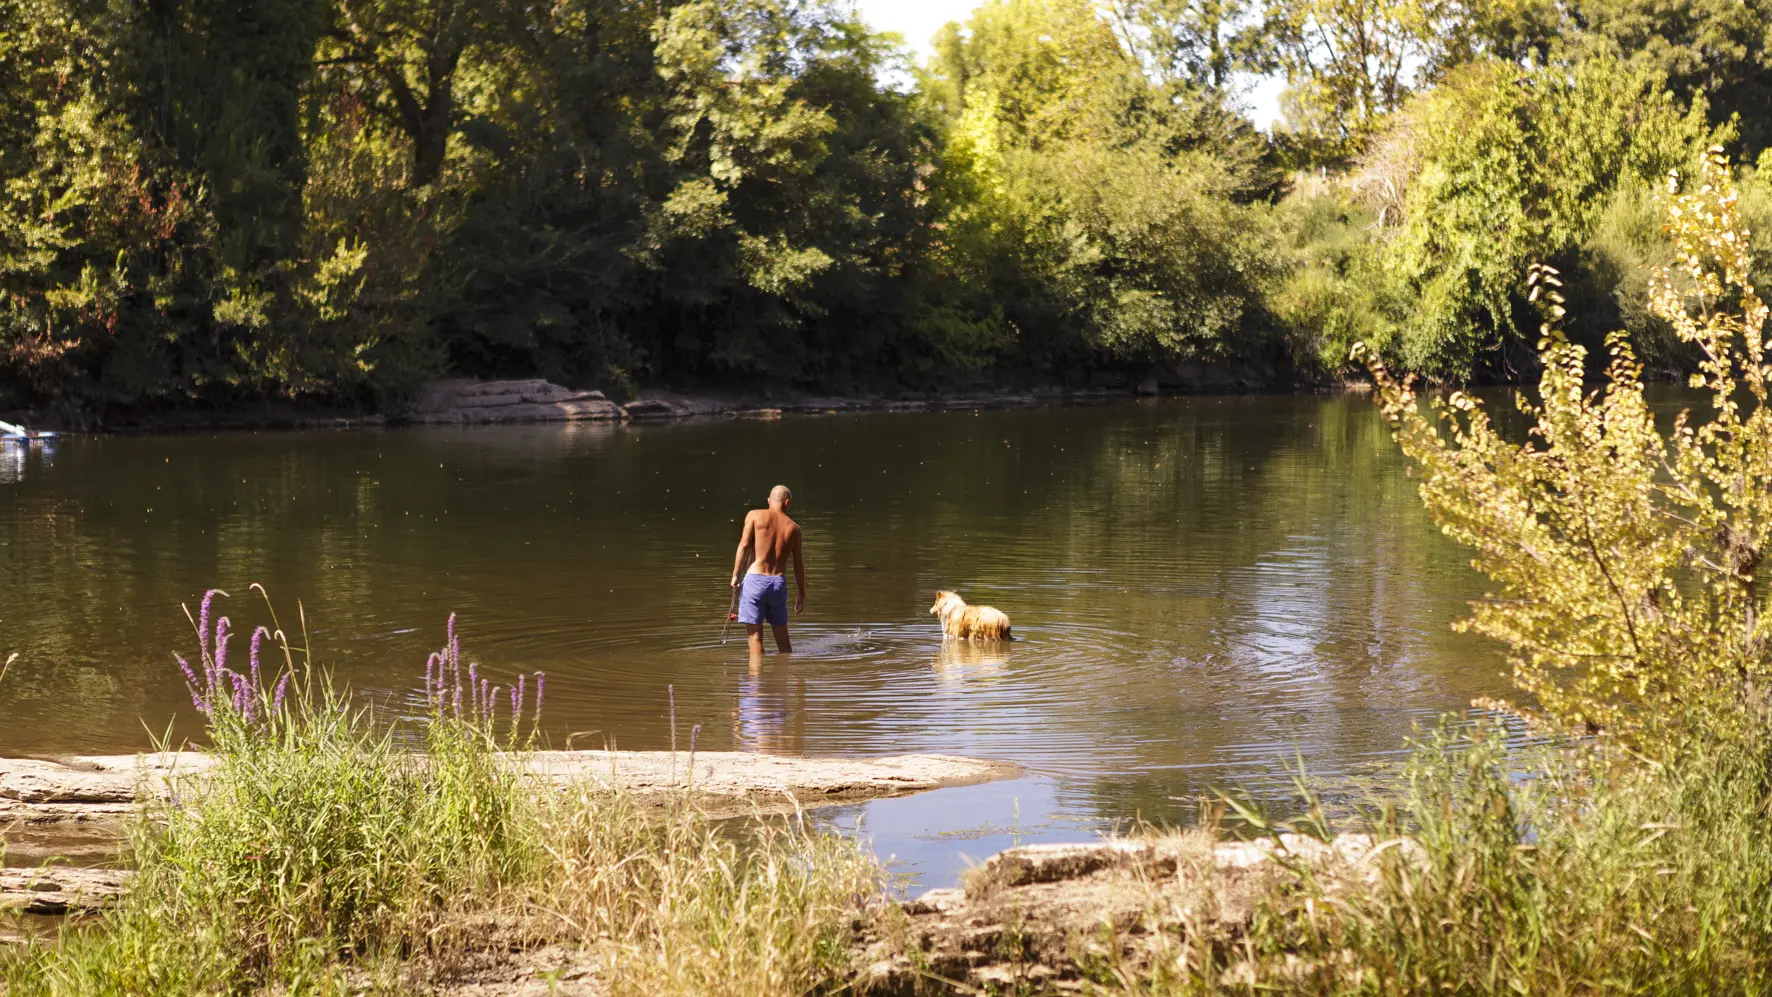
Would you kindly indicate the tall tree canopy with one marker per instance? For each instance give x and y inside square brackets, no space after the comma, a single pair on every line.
[205,203]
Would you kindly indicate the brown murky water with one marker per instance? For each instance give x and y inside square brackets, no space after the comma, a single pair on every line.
[1206,589]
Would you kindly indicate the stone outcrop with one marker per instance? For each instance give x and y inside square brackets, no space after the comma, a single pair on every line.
[533,400]
[60,889]
[1035,919]
[467,402]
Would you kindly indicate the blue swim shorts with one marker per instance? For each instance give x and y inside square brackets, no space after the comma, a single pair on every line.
[764,599]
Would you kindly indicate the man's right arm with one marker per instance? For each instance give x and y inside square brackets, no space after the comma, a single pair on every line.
[745,540]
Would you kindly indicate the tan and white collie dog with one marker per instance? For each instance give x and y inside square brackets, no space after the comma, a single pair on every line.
[962,622]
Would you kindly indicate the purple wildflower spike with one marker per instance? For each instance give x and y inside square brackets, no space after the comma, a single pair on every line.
[487,704]
[242,694]
[430,680]
[541,679]
[221,644]
[475,689]
[457,704]
[516,705]
[492,702]
[455,676]
[191,683]
[203,621]
[257,636]
[449,631]
[282,687]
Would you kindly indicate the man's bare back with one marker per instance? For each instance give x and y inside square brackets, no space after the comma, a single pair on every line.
[769,539]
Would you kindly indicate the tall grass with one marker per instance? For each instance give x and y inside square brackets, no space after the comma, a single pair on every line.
[321,850]
[768,907]
[1596,873]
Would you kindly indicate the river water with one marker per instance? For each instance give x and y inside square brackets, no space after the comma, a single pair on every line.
[1208,592]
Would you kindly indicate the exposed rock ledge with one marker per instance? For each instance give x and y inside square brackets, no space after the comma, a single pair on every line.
[468,402]
[1036,919]
[60,889]
[511,401]
[105,787]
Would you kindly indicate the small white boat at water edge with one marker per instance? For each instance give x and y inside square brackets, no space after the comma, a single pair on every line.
[14,433]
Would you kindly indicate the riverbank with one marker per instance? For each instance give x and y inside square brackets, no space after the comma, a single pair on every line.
[317,860]
[457,401]
[80,808]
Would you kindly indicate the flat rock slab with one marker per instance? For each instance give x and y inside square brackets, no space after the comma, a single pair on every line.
[60,807]
[462,401]
[1028,920]
[60,889]
[92,788]
[749,775]
[533,400]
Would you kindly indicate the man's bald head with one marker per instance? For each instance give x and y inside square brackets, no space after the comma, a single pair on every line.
[779,497]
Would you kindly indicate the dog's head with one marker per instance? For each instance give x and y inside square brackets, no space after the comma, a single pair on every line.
[946,602]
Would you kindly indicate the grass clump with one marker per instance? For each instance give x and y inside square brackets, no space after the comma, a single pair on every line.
[686,907]
[331,849]
[1591,874]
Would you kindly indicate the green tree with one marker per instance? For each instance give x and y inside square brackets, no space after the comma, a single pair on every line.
[1350,62]
[1100,209]
[1197,42]
[1509,167]
[1720,49]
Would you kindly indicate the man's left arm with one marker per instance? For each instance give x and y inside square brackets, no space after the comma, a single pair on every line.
[799,575]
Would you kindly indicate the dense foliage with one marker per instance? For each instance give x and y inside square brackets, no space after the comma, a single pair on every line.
[206,203]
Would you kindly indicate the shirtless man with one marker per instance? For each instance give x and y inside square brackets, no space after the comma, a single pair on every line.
[771,538]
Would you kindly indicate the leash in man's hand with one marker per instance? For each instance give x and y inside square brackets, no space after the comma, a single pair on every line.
[732,610]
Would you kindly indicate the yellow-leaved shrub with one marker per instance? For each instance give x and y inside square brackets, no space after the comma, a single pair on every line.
[1626,559]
